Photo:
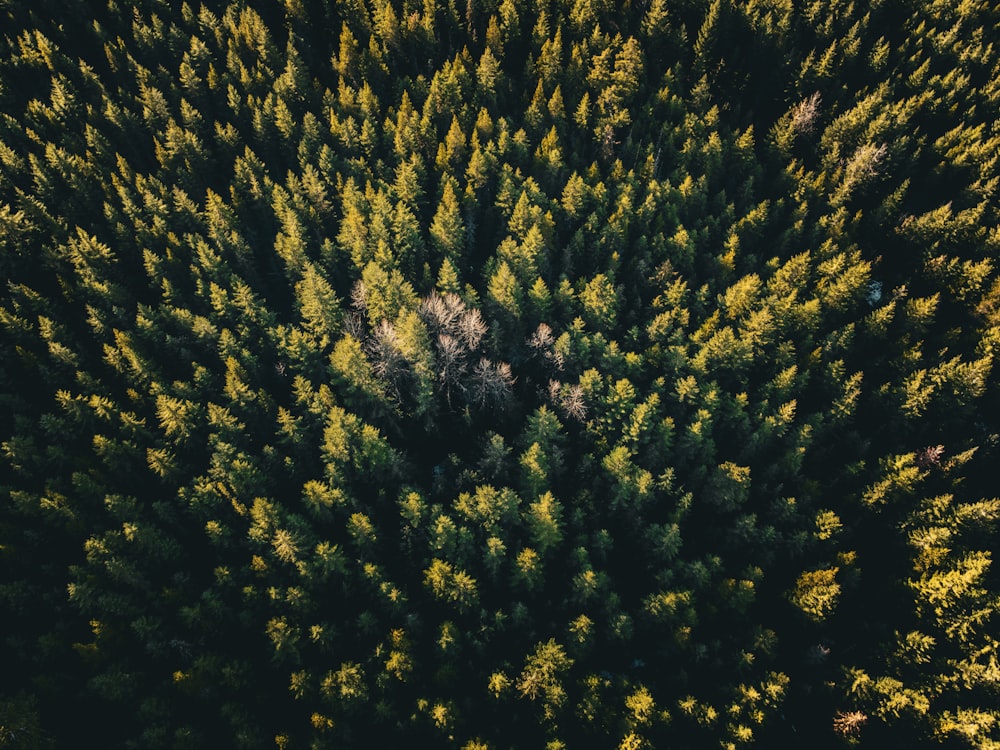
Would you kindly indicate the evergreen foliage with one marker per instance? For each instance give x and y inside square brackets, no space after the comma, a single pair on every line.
[499,374]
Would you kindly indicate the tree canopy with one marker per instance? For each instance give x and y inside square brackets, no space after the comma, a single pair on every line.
[499,374]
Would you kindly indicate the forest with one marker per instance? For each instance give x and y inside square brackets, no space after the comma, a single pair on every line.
[499,374]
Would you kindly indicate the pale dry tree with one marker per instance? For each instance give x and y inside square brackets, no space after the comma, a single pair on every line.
[458,331]
[358,301]
[574,404]
[384,351]
[865,163]
[542,338]
[472,327]
[492,382]
[805,114]
[354,324]
[439,311]
[569,399]
[451,357]
[541,342]
[451,363]
[554,389]
[448,314]
[849,723]
[929,456]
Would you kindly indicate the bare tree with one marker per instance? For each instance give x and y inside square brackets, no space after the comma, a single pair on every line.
[574,404]
[805,114]
[354,324]
[441,311]
[542,338]
[358,301]
[457,332]
[388,361]
[451,358]
[849,723]
[492,382]
[554,390]
[472,327]
[448,314]
[929,456]
[568,398]
[541,342]
[451,363]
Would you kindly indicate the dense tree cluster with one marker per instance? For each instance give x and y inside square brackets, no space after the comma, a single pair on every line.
[499,374]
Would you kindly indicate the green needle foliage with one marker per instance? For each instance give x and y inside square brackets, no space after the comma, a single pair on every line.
[499,374]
